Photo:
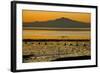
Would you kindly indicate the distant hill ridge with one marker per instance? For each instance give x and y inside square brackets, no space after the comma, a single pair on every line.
[58,23]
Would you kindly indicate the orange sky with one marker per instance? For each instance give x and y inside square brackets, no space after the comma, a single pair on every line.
[31,16]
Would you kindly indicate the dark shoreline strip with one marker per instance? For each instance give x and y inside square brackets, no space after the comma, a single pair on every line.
[73,58]
[40,40]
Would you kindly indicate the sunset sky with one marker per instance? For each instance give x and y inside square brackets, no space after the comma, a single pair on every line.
[31,16]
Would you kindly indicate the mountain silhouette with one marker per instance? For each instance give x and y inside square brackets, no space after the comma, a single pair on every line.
[58,23]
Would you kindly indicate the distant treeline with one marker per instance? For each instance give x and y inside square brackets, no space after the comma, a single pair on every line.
[40,40]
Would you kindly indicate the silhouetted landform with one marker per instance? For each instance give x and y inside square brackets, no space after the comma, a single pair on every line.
[58,23]
[73,58]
